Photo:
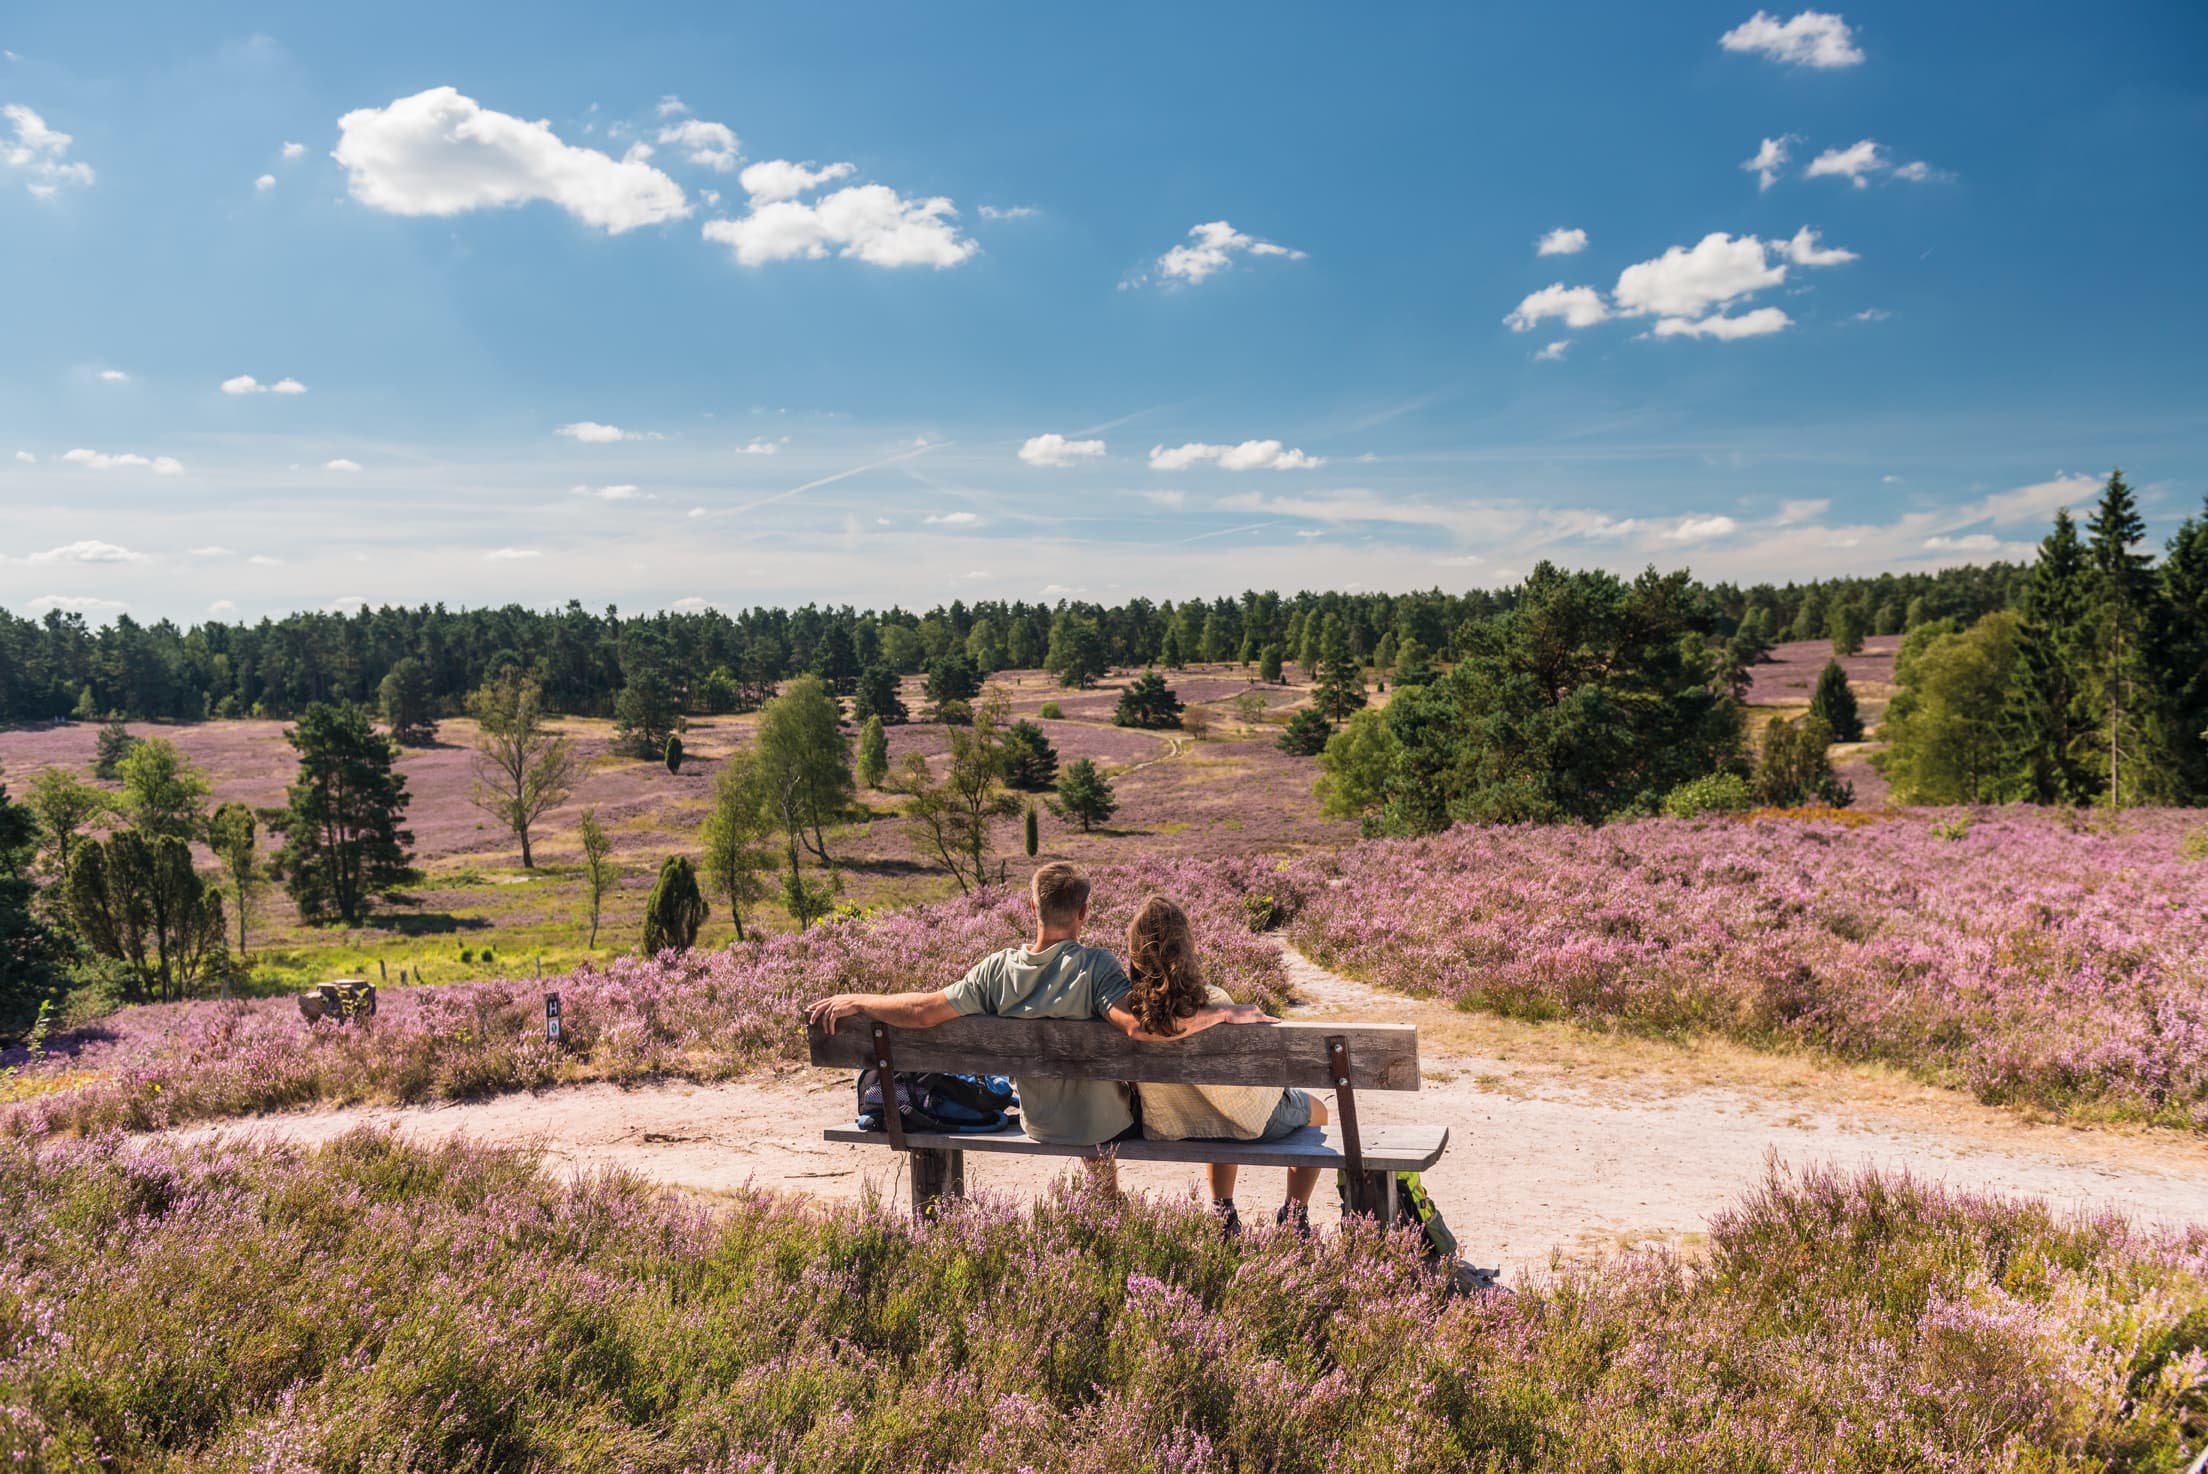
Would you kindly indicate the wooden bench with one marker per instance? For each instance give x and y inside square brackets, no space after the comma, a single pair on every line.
[1340,1058]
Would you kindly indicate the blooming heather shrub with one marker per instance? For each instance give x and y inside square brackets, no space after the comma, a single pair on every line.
[380,1305]
[703,1015]
[2029,957]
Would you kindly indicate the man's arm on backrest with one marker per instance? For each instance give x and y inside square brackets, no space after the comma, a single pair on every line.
[898,1010]
[1203,1018]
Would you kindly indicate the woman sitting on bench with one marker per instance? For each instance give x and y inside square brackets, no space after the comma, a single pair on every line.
[1169,988]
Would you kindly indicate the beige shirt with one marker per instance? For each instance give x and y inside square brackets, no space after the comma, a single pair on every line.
[1063,980]
[1225,1112]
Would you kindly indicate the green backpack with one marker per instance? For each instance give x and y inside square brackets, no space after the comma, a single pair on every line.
[1415,1208]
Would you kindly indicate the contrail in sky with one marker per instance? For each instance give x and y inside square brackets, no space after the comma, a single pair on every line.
[783,496]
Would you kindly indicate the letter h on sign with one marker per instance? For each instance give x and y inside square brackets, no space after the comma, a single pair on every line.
[552,1018]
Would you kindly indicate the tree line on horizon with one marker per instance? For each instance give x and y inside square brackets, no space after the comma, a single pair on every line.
[711,662]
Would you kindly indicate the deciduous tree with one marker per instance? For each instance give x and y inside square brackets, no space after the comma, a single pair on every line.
[600,873]
[230,834]
[409,704]
[522,768]
[738,834]
[163,792]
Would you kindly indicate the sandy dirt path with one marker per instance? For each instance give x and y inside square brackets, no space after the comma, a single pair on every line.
[1559,1140]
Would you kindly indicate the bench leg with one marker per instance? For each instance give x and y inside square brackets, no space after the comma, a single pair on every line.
[936,1174]
[1377,1197]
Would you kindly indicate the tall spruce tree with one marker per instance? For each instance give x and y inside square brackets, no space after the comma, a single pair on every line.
[2047,727]
[2124,683]
[1833,703]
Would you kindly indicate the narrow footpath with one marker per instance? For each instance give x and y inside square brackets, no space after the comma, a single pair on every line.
[1561,1142]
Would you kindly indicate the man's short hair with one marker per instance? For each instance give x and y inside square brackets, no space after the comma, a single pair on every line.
[1061,892]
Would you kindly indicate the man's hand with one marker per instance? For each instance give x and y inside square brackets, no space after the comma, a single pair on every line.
[1247,1013]
[825,1014]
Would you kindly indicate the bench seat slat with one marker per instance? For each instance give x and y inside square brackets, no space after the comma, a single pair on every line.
[1382,1056]
[1387,1148]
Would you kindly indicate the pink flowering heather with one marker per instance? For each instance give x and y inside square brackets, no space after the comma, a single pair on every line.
[2038,958]
[704,1015]
[376,1305]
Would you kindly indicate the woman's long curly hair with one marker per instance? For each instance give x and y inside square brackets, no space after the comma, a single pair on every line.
[1161,963]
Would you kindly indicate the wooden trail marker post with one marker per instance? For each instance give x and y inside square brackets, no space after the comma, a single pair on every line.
[552,1018]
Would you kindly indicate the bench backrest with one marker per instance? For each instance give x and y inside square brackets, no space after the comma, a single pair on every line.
[1381,1056]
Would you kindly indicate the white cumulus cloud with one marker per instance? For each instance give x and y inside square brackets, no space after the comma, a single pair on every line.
[1811,39]
[114,376]
[1562,242]
[590,432]
[779,179]
[866,222]
[621,492]
[511,555]
[1803,250]
[1250,455]
[40,152]
[1855,163]
[247,384]
[1579,307]
[1211,248]
[100,460]
[26,458]
[761,446]
[1553,351]
[440,153]
[1755,324]
[265,183]
[1056,450]
[1686,282]
[341,464]
[953,519]
[1009,212]
[1770,159]
[709,145]
[294,151]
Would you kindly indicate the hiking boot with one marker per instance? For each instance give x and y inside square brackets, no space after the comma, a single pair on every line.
[1294,1215]
[1230,1222]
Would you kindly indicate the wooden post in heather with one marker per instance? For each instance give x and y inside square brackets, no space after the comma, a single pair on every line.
[552,1019]
[936,1174]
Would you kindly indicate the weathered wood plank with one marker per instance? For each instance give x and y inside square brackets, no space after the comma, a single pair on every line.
[1382,1056]
[1387,1149]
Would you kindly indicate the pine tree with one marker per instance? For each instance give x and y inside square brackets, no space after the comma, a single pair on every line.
[342,840]
[1084,794]
[877,698]
[1834,704]
[2047,726]
[1148,702]
[114,744]
[1030,831]
[2124,685]
[1269,662]
[675,910]
[1030,762]
[1306,734]
[409,704]
[1341,688]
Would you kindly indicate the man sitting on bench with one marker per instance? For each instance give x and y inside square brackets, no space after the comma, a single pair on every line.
[1054,976]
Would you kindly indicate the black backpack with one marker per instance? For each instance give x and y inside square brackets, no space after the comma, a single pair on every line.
[934,1100]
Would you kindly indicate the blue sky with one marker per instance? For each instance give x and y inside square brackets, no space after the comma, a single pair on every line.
[873,303]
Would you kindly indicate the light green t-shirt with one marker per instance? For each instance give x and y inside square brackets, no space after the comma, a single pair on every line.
[1064,980]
